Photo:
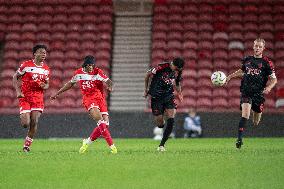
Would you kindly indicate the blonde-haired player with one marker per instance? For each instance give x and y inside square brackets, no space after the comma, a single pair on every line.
[255,72]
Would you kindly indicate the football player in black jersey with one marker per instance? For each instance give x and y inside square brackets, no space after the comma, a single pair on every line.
[255,72]
[162,80]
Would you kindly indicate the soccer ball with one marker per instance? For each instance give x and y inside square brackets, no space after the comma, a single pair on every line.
[218,78]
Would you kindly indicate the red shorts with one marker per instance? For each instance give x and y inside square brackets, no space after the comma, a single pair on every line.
[31,103]
[93,102]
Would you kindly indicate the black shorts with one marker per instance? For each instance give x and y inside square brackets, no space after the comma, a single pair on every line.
[256,101]
[161,104]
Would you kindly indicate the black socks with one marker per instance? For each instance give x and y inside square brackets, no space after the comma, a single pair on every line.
[242,125]
[168,131]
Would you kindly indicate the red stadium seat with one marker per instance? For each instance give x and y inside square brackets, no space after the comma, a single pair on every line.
[13,36]
[30,19]
[14,28]
[205,36]
[190,7]
[204,103]
[219,92]
[174,44]
[87,45]
[189,83]
[189,102]
[235,8]
[204,92]
[8,92]
[191,27]
[266,18]
[27,45]
[158,53]
[205,27]
[220,64]
[60,19]
[57,55]
[204,82]
[12,45]
[220,44]
[220,103]
[17,9]
[236,54]
[190,36]
[175,17]
[250,17]
[235,27]
[189,54]
[160,18]
[174,35]
[47,9]
[172,53]
[220,54]
[205,8]
[235,17]
[160,9]
[236,36]
[204,66]
[159,45]
[190,18]
[5,102]
[159,36]
[189,92]
[76,9]
[234,92]
[28,36]
[25,54]
[11,54]
[205,45]
[74,35]
[234,83]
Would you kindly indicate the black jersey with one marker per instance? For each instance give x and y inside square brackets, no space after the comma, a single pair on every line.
[256,73]
[162,82]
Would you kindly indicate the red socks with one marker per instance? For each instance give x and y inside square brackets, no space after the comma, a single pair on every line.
[102,129]
[28,142]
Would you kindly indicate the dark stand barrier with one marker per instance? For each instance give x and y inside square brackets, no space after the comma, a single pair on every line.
[139,125]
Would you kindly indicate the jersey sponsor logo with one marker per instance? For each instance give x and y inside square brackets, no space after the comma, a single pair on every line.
[253,71]
[36,70]
[87,77]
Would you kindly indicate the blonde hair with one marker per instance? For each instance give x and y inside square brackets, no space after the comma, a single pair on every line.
[260,40]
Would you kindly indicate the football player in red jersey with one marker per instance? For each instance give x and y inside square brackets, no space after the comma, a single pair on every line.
[255,72]
[91,80]
[34,76]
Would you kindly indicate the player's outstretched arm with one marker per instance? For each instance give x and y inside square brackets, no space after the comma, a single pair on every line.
[147,81]
[16,83]
[238,73]
[66,87]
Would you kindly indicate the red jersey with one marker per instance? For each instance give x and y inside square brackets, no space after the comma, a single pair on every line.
[32,76]
[90,83]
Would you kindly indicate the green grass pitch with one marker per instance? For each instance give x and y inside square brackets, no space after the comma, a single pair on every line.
[187,163]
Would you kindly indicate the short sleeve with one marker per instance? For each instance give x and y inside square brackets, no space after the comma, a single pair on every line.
[47,74]
[102,75]
[243,61]
[21,69]
[270,68]
[75,78]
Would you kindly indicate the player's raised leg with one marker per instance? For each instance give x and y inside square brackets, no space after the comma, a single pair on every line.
[246,107]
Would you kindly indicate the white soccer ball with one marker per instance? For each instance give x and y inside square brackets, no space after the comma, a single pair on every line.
[218,78]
